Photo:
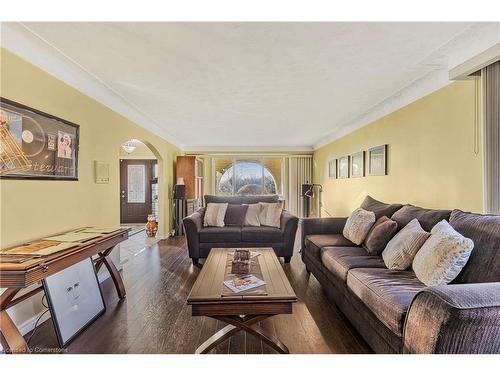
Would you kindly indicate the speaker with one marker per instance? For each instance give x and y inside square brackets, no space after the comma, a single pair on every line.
[179,191]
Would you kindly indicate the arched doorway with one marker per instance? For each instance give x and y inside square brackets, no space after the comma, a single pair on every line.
[139,183]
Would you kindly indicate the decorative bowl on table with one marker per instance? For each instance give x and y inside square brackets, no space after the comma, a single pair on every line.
[241,262]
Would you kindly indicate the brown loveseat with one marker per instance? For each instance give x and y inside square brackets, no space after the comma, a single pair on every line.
[201,239]
[393,310]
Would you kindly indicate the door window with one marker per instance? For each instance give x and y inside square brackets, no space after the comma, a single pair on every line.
[136,183]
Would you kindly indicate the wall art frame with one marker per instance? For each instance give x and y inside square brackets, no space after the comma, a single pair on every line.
[377,160]
[332,169]
[37,145]
[344,167]
[358,164]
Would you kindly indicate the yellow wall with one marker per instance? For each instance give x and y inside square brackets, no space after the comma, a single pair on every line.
[431,159]
[31,209]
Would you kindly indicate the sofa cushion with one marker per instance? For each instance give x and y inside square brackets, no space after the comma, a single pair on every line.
[251,199]
[252,215]
[357,225]
[314,242]
[261,234]
[235,214]
[231,199]
[442,256]
[270,214]
[484,230]
[401,250]
[379,208]
[387,293]
[240,199]
[217,234]
[426,217]
[214,215]
[379,235]
[339,260]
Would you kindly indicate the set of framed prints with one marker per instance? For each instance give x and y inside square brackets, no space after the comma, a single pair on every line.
[352,166]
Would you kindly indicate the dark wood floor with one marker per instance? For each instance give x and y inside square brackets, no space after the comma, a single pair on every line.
[154,317]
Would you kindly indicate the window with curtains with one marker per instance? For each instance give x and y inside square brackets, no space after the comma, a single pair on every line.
[491,99]
[248,176]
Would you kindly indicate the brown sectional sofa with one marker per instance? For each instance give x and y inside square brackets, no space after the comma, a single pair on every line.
[201,239]
[393,310]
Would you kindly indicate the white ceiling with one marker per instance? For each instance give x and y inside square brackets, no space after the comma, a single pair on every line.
[221,86]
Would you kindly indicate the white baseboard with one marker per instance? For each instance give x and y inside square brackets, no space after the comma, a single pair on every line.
[29,324]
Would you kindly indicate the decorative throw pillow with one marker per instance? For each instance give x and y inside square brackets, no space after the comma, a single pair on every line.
[379,235]
[442,256]
[270,214]
[252,215]
[379,208]
[358,224]
[214,215]
[426,217]
[235,214]
[400,251]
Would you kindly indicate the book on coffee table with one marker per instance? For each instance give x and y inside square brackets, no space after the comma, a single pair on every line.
[243,283]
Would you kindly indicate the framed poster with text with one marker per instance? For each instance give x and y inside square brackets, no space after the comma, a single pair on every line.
[36,145]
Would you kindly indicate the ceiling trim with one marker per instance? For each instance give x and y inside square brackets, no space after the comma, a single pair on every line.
[480,37]
[202,149]
[21,41]
[416,90]
[471,66]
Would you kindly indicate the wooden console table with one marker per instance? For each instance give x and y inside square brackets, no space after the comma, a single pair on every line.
[16,276]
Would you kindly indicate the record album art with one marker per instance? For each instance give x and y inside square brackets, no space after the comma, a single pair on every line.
[36,145]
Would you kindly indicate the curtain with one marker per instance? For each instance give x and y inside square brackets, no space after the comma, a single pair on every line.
[299,172]
[491,135]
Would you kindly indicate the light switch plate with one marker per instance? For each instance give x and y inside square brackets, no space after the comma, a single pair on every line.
[101,171]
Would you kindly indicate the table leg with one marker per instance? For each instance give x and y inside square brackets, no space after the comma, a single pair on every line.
[217,338]
[113,271]
[236,324]
[11,339]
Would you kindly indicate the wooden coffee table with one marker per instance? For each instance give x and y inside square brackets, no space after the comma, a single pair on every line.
[210,297]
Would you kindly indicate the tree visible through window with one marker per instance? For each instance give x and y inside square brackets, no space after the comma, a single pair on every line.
[246,177]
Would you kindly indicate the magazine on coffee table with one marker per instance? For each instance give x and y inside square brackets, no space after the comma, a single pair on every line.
[242,283]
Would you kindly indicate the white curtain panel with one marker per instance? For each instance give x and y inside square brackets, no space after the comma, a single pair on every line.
[491,101]
[299,172]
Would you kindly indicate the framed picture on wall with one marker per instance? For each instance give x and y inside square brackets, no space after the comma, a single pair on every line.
[344,167]
[332,169]
[377,161]
[358,164]
[36,145]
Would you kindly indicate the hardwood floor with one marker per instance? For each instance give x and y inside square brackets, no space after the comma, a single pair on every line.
[154,317]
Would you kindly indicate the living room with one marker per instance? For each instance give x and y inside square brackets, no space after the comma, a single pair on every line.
[282,186]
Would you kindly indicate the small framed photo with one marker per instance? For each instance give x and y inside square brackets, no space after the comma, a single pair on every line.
[344,167]
[332,169]
[377,161]
[358,164]
[75,299]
